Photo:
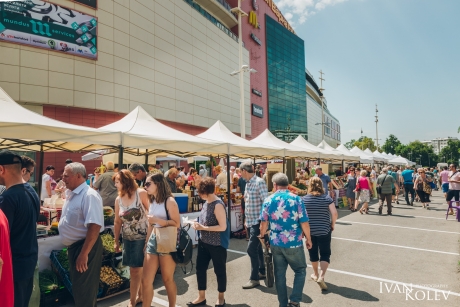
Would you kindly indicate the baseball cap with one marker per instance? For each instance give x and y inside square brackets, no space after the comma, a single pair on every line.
[7,157]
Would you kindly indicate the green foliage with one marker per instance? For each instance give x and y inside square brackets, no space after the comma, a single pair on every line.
[418,152]
[350,144]
[365,142]
[390,145]
[450,153]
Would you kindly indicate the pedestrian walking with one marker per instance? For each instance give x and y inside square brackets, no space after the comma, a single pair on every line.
[323,215]
[212,244]
[363,187]
[163,212]
[284,214]
[454,186]
[408,185]
[422,186]
[351,186]
[374,182]
[444,179]
[81,222]
[6,264]
[131,206]
[385,183]
[255,193]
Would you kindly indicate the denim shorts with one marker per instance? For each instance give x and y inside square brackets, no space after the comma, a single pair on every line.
[152,246]
[445,187]
[133,253]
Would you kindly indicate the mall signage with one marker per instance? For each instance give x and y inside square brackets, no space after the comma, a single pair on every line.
[90,3]
[49,26]
[253,20]
[256,92]
[254,5]
[257,110]
[256,39]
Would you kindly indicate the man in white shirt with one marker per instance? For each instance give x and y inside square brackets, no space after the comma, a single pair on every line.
[203,172]
[81,222]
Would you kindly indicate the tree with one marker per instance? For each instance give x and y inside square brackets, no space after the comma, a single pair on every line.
[450,153]
[418,152]
[391,143]
[365,142]
[350,144]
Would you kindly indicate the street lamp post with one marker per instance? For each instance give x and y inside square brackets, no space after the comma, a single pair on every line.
[421,160]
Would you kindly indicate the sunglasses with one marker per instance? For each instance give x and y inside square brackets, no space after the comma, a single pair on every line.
[148,184]
[30,172]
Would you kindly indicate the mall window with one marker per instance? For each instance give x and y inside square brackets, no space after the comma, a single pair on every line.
[286,82]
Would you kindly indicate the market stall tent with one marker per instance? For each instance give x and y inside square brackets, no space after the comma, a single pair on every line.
[377,157]
[323,153]
[237,146]
[266,138]
[398,161]
[351,156]
[363,156]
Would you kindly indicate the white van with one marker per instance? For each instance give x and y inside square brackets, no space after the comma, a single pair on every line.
[441,165]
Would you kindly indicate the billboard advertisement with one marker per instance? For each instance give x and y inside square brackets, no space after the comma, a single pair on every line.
[46,25]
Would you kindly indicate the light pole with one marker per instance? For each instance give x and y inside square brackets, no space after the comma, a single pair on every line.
[421,160]
[241,13]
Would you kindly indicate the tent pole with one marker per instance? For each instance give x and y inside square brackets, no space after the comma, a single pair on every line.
[146,158]
[120,158]
[284,165]
[229,205]
[42,156]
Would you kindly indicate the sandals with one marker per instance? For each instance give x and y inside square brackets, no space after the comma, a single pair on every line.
[314,277]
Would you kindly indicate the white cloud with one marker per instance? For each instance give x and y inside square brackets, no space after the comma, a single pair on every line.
[298,11]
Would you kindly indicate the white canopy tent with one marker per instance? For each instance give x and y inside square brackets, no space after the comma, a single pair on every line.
[398,161]
[323,153]
[408,162]
[363,156]
[23,129]
[267,138]
[377,157]
[351,156]
[237,146]
[379,154]
[386,155]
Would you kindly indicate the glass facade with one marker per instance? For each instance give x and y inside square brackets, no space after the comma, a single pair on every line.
[286,82]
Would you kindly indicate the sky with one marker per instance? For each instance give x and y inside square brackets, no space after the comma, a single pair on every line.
[403,55]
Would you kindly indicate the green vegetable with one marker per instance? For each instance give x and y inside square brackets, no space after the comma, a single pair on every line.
[63,260]
[302,186]
[108,243]
[48,281]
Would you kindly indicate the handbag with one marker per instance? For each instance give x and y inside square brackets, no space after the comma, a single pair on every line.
[426,188]
[166,237]
[379,187]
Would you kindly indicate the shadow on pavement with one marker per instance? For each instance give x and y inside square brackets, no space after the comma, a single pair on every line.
[343,223]
[411,208]
[264,289]
[350,293]
[404,216]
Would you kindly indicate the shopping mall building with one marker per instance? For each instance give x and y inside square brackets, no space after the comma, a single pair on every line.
[90,62]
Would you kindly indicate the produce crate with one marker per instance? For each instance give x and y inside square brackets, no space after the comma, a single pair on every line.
[116,287]
[54,298]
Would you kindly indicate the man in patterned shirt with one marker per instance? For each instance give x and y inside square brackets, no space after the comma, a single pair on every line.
[288,222]
[254,196]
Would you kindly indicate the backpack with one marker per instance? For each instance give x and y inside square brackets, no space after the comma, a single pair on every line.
[184,246]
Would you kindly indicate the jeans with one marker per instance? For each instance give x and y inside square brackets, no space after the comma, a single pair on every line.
[22,291]
[409,188]
[295,258]
[255,252]
[218,255]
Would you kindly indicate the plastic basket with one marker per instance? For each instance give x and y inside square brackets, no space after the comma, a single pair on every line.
[114,288]
[53,298]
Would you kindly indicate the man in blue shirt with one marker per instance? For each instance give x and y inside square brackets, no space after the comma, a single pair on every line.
[327,184]
[288,220]
[408,185]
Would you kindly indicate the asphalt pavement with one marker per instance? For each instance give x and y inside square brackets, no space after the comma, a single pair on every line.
[408,259]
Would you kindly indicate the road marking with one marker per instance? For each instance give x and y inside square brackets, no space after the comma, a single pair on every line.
[425,217]
[374,278]
[409,285]
[442,231]
[400,246]
[161,302]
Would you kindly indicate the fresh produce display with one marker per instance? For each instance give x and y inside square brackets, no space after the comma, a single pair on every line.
[109,276]
[302,186]
[296,190]
[48,281]
[63,260]
[108,243]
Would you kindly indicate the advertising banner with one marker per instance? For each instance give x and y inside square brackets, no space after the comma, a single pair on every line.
[50,26]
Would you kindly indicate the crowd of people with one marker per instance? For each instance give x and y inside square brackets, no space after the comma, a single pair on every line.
[144,207]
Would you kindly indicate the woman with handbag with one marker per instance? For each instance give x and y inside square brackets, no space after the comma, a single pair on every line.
[351,186]
[131,219]
[423,189]
[164,220]
[213,242]
[363,187]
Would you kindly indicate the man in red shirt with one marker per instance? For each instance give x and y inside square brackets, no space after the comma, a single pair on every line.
[6,264]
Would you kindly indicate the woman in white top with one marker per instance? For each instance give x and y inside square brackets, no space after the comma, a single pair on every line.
[161,199]
[47,178]
[221,180]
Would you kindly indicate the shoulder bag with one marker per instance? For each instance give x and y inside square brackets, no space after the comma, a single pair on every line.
[166,237]
[379,187]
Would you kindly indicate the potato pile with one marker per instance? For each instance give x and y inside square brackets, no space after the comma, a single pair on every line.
[109,276]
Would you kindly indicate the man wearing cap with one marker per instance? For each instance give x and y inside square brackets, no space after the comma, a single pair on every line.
[139,173]
[81,222]
[106,186]
[21,207]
